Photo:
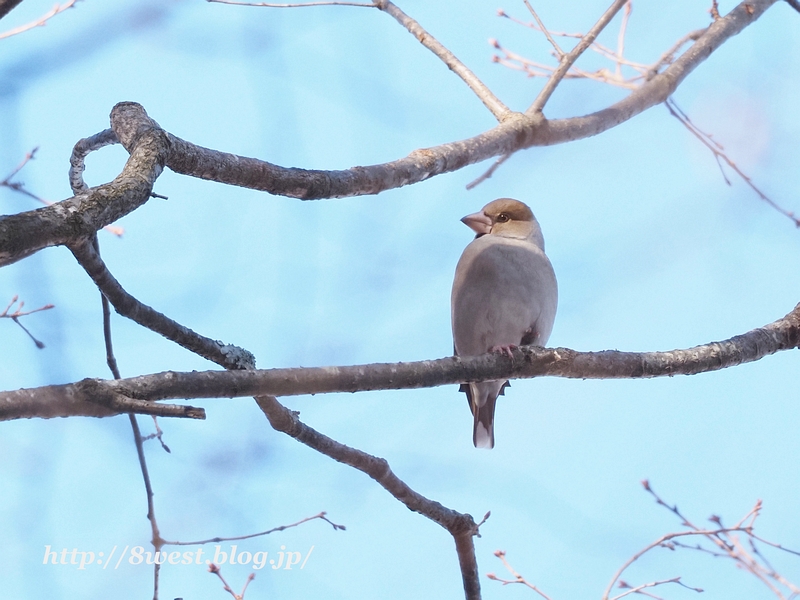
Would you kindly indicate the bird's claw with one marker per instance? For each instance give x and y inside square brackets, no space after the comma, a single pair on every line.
[507,350]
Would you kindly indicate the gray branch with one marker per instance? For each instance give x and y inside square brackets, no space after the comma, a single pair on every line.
[567,60]
[490,101]
[225,355]
[461,526]
[6,6]
[81,216]
[528,362]
[151,148]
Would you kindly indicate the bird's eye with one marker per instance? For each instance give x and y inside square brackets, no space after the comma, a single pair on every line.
[502,218]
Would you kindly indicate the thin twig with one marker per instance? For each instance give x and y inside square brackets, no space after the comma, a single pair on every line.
[559,52]
[28,157]
[127,305]
[621,38]
[517,577]
[58,8]
[137,434]
[14,316]
[719,154]
[729,545]
[638,589]
[38,343]
[567,60]
[461,526]
[293,5]
[20,188]
[215,569]
[484,94]
[19,312]
[668,57]
[159,435]
[646,73]
[489,172]
[214,540]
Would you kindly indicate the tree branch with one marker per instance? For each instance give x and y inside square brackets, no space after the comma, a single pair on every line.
[151,148]
[528,362]
[516,132]
[79,153]
[6,6]
[85,399]
[79,217]
[293,4]
[461,526]
[225,355]
[498,109]
[566,61]
[40,22]
[490,101]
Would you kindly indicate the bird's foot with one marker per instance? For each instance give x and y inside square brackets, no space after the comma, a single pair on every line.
[507,350]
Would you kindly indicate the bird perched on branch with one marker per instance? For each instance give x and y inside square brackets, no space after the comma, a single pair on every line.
[504,295]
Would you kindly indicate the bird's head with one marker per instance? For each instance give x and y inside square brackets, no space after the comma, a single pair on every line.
[506,217]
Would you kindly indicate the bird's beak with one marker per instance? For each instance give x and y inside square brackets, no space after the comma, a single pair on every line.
[478,222]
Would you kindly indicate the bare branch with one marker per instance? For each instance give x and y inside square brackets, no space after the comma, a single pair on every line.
[724,538]
[517,577]
[28,157]
[79,217]
[660,542]
[534,69]
[41,21]
[15,316]
[293,5]
[489,172]
[727,545]
[567,61]
[719,154]
[514,133]
[151,147]
[527,362]
[125,304]
[6,6]
[669,56]
[138,439]
[20,188]
[79,153]
[638,589]
[19,312]
[619,56]
[461,526]
[498,109]
[215,540]
[559,52]
[214,569]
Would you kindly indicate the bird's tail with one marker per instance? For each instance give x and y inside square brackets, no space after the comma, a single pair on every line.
[482,399]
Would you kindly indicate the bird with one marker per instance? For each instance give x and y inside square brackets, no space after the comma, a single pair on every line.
[504,294]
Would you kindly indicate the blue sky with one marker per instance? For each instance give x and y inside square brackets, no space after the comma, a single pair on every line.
[651,248]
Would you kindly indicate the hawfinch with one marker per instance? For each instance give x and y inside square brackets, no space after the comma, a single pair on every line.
[504,295]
